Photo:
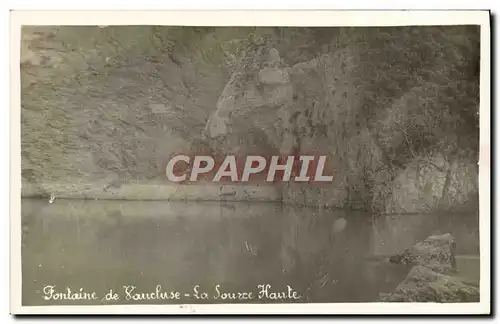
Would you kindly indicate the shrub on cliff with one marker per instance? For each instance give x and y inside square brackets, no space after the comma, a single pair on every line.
[416,91]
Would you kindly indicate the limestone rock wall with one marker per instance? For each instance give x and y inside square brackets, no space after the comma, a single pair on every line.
[394,109]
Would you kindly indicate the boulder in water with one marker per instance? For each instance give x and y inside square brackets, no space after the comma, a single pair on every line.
[431,279]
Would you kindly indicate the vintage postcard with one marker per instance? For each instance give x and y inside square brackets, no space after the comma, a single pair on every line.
[250,162]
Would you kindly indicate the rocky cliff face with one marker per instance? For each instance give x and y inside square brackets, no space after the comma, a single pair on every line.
[115,102]
[390,123]
[394,109]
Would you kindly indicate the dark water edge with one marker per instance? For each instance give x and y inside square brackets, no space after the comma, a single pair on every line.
[323,255]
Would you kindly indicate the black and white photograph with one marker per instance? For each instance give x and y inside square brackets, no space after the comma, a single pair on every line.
[220,167]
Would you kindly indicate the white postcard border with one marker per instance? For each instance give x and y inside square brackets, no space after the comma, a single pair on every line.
[254,18]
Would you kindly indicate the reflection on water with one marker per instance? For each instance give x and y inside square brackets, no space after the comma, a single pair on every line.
[324,255]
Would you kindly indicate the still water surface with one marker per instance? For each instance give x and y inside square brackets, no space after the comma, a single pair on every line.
[323,255]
